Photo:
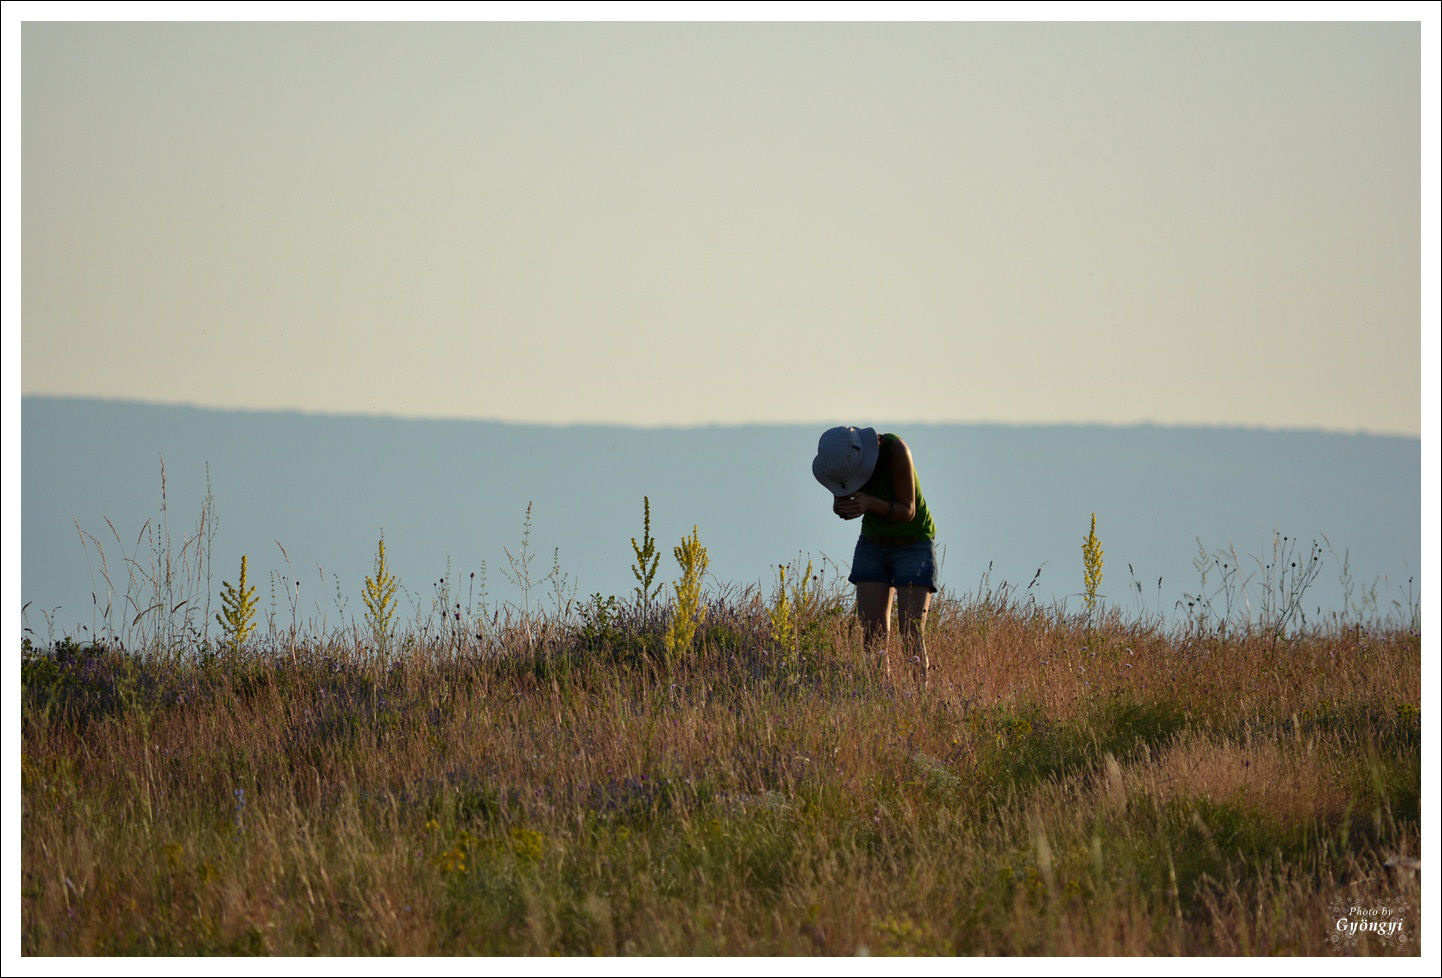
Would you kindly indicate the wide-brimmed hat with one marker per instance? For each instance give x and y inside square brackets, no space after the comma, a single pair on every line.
[845,459]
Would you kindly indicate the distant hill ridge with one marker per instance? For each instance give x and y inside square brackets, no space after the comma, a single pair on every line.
[1012,498]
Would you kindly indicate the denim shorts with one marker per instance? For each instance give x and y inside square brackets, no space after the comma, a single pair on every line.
[908,565]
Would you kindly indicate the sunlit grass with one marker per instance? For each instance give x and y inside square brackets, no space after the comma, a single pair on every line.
[1069,785]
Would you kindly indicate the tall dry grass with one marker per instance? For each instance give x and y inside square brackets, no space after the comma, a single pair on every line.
[1066,785]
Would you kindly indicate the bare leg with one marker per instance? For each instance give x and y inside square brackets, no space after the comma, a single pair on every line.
[873,604]
[912,604]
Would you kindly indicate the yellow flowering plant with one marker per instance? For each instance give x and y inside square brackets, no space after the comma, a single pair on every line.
[379,598]
[238,604]
[688,612]
[1092,566]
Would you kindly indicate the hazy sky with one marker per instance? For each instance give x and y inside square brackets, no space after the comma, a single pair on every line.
[1202,223]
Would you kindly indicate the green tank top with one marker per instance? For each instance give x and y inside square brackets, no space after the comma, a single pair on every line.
[880,485]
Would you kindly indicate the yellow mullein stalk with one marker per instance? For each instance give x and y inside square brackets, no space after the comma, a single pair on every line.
[238,603]
[1092,564]
[644,568]
[783,632]
[803,593]
[379,597]
[689,613]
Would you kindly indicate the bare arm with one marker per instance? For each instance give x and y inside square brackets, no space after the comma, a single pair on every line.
[903,485]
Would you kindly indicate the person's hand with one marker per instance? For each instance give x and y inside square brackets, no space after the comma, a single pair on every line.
[850,507]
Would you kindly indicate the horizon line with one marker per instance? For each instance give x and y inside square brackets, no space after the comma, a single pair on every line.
[691,426]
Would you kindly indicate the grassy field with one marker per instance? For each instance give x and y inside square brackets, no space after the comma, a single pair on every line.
[1064,786]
